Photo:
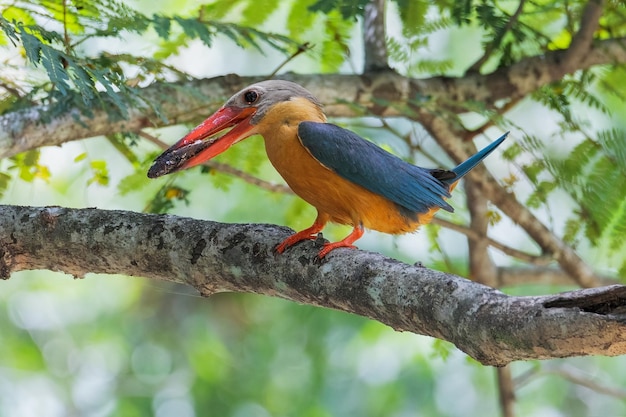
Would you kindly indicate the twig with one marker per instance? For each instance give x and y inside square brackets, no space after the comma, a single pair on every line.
[471,134]
[571,374]
[66,36]
[539,260]
[12,90]
[506,389]
[301,49]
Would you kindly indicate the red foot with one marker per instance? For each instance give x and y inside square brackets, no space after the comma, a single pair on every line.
[293,239]
[306,234]
[328,247]
[311,233]
[347,242]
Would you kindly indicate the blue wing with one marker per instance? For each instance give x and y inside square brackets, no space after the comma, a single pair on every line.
[373,168]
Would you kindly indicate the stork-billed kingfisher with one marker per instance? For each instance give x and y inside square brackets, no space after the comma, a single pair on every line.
[348,179]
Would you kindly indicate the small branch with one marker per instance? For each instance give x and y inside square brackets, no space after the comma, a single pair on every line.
[567,258]
[512,252]
[471,134]
[11,90]
[482,268]
[574,376]
[506,390]
[488,325]
[480,264]
[66,36]
[301,49]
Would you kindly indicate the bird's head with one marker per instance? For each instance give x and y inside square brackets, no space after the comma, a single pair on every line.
[243,112]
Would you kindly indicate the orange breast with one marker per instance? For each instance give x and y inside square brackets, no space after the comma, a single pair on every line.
[343,201]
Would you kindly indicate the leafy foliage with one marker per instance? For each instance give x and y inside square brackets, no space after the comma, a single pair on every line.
[347,8]
[594,173]
[76,79]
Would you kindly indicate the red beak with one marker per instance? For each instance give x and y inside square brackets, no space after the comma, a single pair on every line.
[193,149]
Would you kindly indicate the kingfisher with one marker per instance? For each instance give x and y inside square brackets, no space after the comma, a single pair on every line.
[348,179]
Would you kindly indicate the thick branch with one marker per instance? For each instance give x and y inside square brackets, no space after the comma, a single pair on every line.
[488,325]
[381,93]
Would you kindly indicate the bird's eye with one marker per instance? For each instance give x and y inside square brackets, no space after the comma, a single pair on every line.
[251,96]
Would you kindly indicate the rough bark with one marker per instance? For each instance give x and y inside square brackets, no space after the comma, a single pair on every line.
[488,325]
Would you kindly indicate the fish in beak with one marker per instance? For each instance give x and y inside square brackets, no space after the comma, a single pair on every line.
[198,146]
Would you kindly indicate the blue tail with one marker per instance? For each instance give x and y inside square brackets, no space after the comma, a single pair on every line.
[474,160]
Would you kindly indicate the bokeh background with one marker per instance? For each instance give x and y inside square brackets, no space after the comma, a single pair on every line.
[129,346]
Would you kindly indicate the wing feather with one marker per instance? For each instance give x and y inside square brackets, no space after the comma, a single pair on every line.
[373,168]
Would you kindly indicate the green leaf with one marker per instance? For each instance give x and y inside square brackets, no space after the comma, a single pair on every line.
[18,15]
[80,157]
[161,25]
[257,12]
[572,229]
[533,170]
[5,180]
[32,46]
[118,140]
[195,29]
[100,173]
[413,15]
[348,9]
[300,18]
[540,193]
[28,166]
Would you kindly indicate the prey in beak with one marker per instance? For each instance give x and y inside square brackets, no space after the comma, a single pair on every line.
[198,146]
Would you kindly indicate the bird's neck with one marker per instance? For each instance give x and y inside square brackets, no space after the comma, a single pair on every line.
[283,118]
[279,128]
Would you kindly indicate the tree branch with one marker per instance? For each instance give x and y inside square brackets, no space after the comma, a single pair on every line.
[374,38]
[548,241]
[582,40]
[507,250]
[506,390]
[573,375]
[488,325]
[481,267]
[381,93]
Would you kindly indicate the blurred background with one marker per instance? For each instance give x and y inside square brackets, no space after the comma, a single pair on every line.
[122,346]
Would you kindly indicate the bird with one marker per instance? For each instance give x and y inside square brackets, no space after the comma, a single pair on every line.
[348,179]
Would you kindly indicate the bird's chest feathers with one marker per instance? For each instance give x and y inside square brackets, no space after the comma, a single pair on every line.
[279,128]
